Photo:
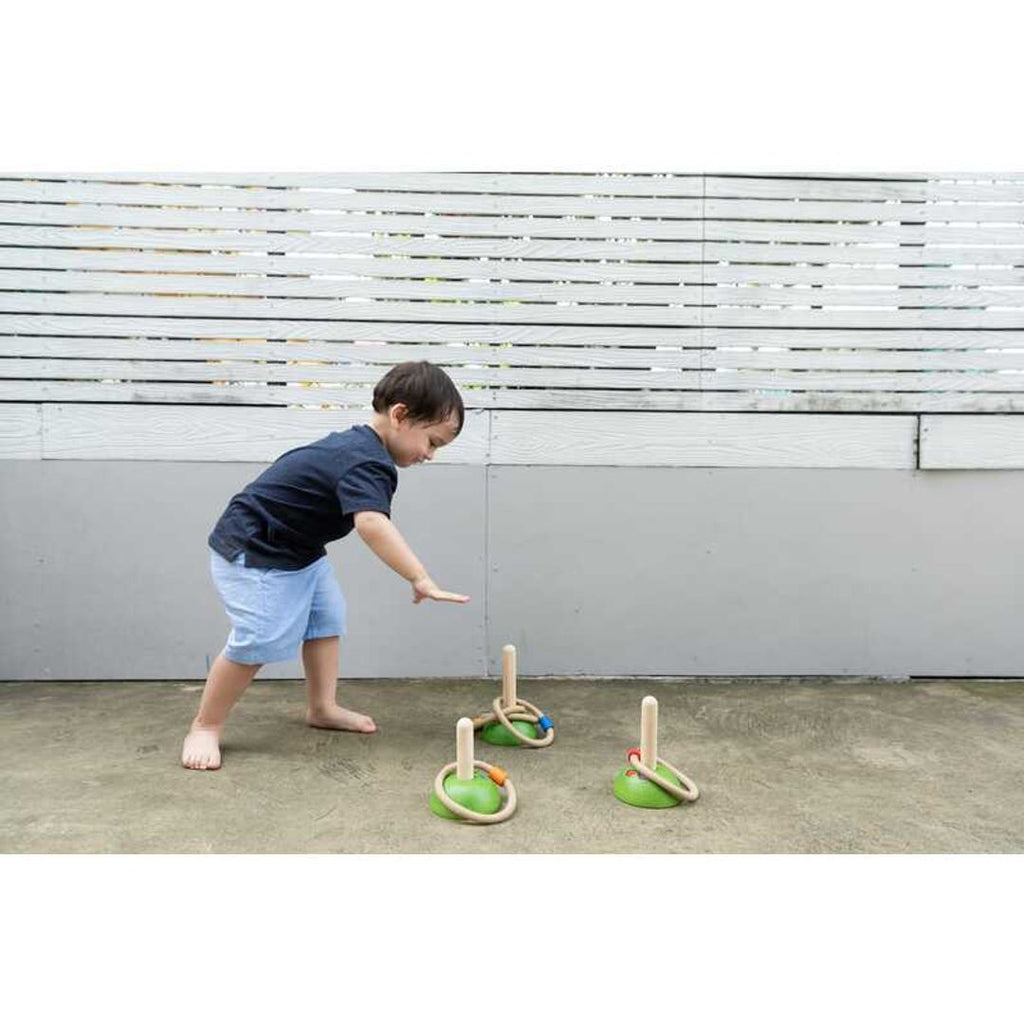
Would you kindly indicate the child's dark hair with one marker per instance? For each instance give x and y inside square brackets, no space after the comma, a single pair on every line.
[425,390]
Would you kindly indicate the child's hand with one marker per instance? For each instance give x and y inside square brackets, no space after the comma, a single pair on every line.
[426,587]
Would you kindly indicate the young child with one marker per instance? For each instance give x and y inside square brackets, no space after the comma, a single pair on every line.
[270,566]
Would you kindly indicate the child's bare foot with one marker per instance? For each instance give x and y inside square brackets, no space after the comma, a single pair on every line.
[340,718]
[201,748]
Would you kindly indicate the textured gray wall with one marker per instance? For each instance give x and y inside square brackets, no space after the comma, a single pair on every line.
[758,571]
[106,573]
[589,570]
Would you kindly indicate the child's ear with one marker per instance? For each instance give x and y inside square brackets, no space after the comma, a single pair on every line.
[398,412]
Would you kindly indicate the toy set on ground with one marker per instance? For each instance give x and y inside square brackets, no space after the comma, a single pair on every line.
[472,790]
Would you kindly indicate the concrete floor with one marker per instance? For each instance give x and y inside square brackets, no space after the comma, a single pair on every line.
[783,767]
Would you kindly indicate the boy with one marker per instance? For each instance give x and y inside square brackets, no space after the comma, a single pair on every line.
[270,566]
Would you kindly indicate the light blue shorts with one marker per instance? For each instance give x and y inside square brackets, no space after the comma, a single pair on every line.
[273,610]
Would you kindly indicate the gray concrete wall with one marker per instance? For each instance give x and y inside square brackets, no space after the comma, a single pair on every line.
[589,570]
[758,571]
[106,573]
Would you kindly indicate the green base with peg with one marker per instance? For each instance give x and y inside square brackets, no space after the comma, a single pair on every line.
[479,794]
[632,788]
[495,733]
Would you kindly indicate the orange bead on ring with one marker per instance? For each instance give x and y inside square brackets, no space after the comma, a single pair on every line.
[497,775]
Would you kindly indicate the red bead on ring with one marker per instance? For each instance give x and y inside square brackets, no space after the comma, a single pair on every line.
[631,752]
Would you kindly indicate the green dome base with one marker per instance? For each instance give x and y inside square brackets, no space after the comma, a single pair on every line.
[479,794]
[636,790]
[497,735]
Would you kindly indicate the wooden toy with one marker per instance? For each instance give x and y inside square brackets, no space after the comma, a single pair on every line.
[650,781]
[469,789]
[512,721]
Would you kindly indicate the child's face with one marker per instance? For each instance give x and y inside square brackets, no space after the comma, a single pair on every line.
[412,442]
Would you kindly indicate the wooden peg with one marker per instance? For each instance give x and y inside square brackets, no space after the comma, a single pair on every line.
[508,675]
[464,749]
[649,733]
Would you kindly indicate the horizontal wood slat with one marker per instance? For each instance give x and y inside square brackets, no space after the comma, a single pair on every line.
[895,234]
[891,296]
[301,265]
[851,380]
[353,202]
[810,184]
[88,215]
[342,244]
[370,267]
[215,435]
[213,396]
[384,355]
[189,394]
[889,212]
[317,376]
[21,431]
[832,402]
[509,312]
[634,294]
[811,189]
[349,330]
[321,287]
[508,183]
[624,439]
[693,229]
[168,370]
[596,337]
[514,437]
[800,208]
[617,250]
[972,442]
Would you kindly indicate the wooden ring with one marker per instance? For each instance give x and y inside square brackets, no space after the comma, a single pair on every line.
[464,812]
[515,713]
[687,791]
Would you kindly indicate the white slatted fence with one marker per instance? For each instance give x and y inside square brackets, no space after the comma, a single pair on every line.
[658,319]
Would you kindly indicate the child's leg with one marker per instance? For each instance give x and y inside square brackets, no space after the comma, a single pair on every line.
[226,682]
[320,660]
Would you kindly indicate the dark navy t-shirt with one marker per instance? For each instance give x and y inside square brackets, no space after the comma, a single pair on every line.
[308,497]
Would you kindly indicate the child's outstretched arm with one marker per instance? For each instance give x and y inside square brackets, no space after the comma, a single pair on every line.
[383,539]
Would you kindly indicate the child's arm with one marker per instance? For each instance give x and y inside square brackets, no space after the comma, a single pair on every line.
[383,539]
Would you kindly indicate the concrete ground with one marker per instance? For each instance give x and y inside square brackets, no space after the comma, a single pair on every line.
[783,767]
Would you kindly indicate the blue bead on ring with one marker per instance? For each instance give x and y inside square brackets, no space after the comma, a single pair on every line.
[545,723]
